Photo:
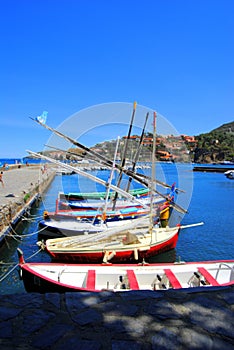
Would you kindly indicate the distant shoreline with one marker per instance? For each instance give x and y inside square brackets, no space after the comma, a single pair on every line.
[13,163]
[19,161]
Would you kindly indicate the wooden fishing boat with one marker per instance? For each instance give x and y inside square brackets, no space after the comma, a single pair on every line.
[115,245]
[98,215]
[77,196]
[58,227]
[61,278]
[93,204]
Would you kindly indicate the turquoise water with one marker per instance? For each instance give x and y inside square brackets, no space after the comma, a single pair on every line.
[208,198]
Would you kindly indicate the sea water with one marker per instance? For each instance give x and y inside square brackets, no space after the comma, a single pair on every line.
[11,161]
[208,198]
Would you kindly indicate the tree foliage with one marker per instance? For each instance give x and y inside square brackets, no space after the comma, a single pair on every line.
[216,146]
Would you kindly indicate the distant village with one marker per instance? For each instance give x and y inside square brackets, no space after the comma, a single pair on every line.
[168,149]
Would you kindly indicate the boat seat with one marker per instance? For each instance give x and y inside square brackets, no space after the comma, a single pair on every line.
[209,278]
[172,279]
[133,283]
[91,278]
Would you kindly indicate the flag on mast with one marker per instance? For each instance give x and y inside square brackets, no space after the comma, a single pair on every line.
[42,118]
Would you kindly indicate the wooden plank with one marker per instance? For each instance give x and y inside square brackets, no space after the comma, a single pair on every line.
[133,283]
[210,279]
[91,279]
[172,279]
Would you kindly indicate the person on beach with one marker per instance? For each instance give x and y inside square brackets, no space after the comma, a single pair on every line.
[1,179]
[5,166]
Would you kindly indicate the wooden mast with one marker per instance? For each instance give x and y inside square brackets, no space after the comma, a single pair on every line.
[137,153]
[124,155]
[153,173]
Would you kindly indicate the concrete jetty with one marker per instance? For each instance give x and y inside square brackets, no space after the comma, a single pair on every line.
[212,169]
[22,187]
[139,320]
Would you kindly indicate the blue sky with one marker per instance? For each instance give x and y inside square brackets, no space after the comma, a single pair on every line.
[64,56]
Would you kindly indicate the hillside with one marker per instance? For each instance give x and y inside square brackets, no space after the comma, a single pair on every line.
[229,127]
[215,146]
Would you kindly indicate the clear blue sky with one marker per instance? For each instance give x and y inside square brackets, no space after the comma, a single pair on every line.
[62,56]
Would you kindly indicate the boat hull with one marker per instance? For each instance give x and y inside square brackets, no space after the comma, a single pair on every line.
[98,215]
[34,283]
[51,229]
[141,192]
[91,204]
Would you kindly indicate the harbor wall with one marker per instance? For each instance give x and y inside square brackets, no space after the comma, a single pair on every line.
[18,197]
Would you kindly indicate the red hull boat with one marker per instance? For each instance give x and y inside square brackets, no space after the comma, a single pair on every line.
[61,278]
[127,246]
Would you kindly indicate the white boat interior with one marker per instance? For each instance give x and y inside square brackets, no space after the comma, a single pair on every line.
[137,277]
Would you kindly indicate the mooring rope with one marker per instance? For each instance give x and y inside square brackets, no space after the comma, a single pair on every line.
[34,254]
[14,267]
[8,273]
[15,234]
